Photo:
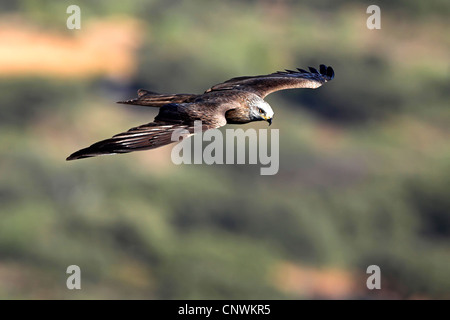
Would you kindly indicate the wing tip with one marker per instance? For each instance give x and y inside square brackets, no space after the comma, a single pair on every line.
[330,72]
[72,157]
[84,155]
[324,70]
[88,152]
[78,155]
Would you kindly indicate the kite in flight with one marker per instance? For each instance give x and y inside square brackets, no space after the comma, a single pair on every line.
[236,101]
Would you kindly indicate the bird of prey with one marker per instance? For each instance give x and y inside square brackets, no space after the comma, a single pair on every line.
[236,101]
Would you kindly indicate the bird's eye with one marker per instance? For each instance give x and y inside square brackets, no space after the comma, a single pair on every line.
[260,110]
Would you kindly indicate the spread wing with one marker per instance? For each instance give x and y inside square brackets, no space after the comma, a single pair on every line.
[145,137]
[281,80]
[152,135]
[153,99]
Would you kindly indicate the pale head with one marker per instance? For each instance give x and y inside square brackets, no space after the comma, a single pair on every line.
[261,111]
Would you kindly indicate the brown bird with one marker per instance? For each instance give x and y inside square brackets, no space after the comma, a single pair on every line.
[236,101]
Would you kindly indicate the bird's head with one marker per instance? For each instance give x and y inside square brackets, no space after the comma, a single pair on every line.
[261,111]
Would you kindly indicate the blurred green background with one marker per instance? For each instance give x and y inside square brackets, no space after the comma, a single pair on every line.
[364,161]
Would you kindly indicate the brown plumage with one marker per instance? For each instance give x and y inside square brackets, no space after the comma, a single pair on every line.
[235,101]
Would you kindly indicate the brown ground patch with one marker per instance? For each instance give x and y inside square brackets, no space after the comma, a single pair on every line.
[100,47]
[311,282]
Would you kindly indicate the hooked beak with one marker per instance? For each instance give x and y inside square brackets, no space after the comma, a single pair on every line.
[269,120]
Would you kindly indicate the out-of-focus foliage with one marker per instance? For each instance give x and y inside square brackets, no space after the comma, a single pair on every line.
[364,161]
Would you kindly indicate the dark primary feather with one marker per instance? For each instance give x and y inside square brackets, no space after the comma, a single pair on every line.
[265,84]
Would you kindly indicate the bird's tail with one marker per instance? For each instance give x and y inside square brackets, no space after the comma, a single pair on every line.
[153,99]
